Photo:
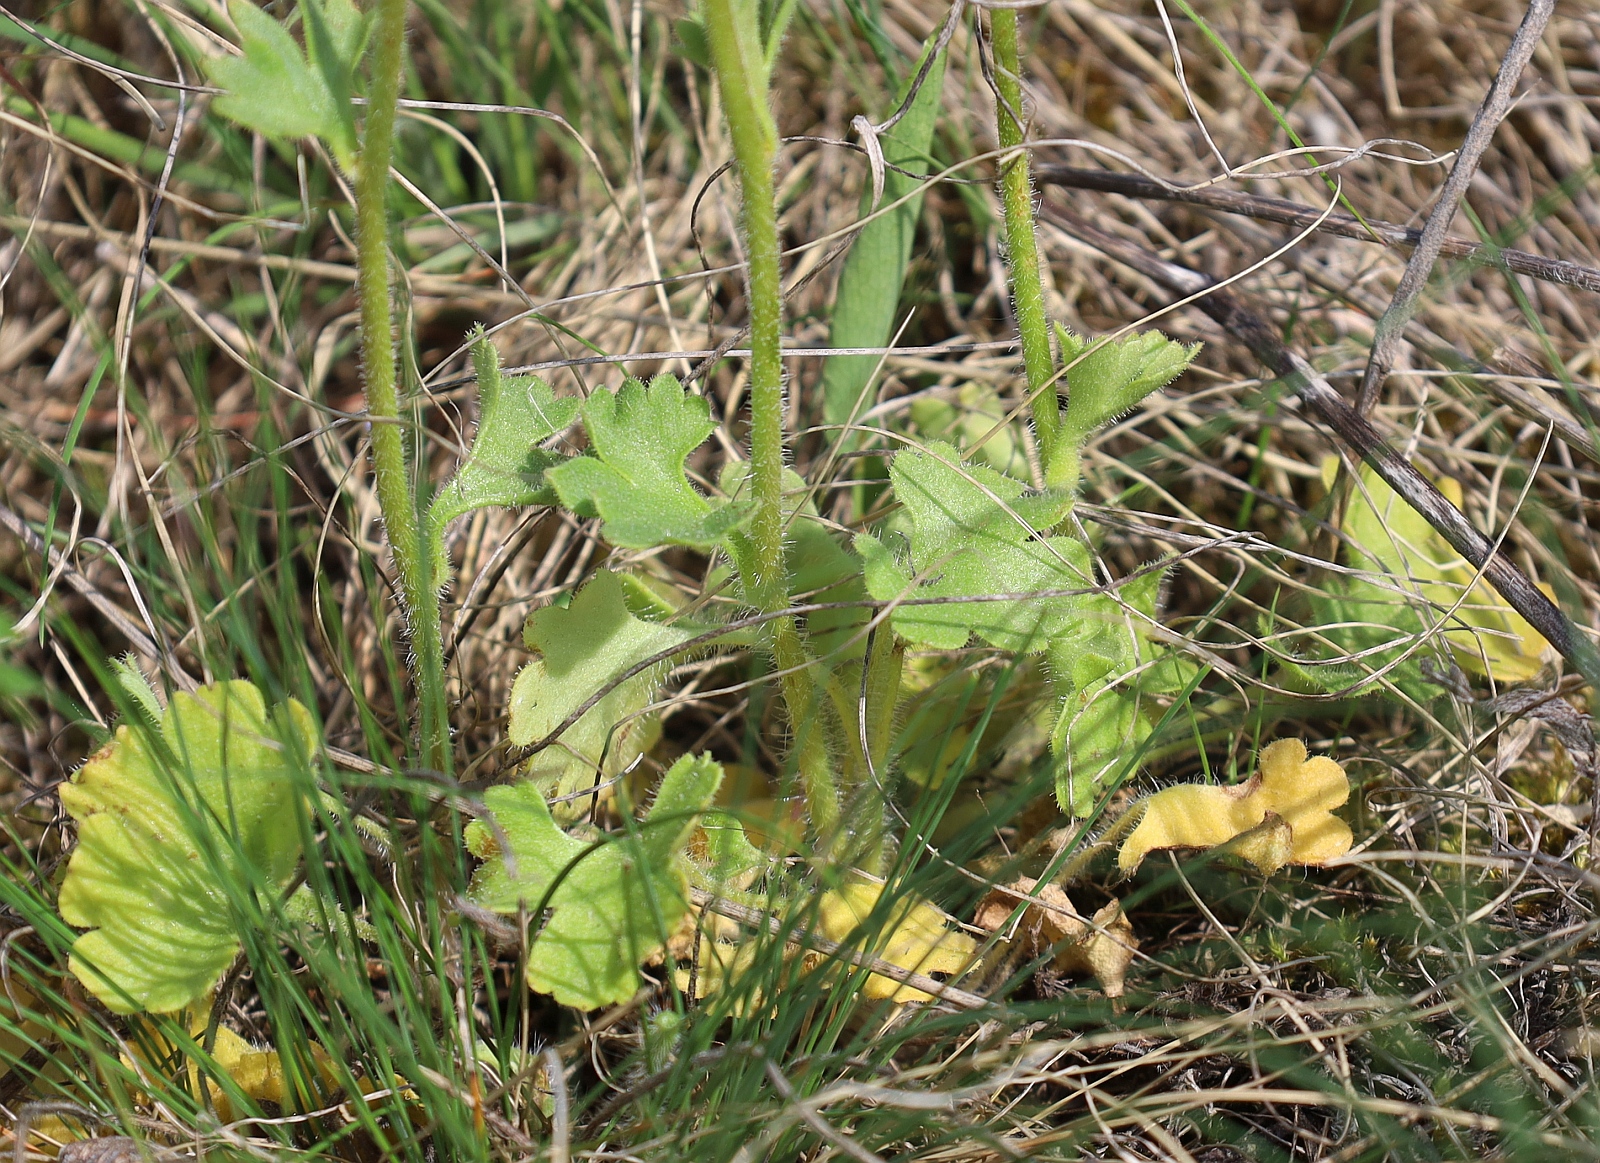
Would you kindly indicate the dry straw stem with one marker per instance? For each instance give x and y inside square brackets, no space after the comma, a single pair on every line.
[1496,103]
[1291,213]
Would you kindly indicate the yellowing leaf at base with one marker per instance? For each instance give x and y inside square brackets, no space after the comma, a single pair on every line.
[165,825]
[1486,636]
[917,939]
[1287,807]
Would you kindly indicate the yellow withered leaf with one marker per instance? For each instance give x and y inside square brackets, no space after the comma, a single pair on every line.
[918,939]
[1286,807]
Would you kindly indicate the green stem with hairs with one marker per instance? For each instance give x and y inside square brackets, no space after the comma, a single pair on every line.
[397,496]
[739,58]
[1022,246]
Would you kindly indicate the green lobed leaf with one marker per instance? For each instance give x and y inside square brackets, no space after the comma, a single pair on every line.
[1116,375]
[1102,669]
[271,88]
[505,465]
[582,649]
[635,479]
[165,827]
[974,533]
[613,903]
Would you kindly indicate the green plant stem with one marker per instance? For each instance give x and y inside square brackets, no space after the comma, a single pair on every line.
[396,493]
[1022,246]
[739,58]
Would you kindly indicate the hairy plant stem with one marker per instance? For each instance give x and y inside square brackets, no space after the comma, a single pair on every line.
[739,59]
[1022,246]
[397,495]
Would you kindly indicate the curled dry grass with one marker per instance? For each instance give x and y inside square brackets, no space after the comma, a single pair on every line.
[191,440]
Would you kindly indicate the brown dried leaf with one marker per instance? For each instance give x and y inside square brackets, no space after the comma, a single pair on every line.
[1101,947]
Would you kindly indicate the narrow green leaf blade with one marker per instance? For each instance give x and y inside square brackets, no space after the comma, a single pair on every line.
[874,271]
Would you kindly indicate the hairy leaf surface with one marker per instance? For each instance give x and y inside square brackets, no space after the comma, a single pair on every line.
[976,533]
[635,479]
[273,89]
[582,649]
[505,465]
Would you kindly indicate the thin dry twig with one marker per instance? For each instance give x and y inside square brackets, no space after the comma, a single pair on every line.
[1357,434]
[1289,213]
[1496,104]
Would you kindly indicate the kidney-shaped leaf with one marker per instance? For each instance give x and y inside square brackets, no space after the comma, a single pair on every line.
[613,902]
[166,828]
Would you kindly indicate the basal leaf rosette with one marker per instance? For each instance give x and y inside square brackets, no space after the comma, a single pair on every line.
[170,827]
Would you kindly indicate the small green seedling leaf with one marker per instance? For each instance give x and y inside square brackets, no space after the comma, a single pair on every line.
[976,533]
[272,89]
[635,479]
[692,39]
[1116,375]
[164,828]
[505,465]
[613,903]
[582,649]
